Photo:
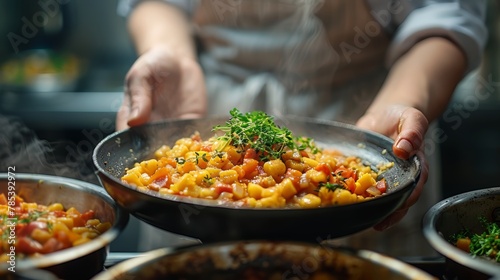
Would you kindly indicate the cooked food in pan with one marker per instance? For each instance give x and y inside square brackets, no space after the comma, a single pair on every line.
[485,244]
[29,229]
[255,163]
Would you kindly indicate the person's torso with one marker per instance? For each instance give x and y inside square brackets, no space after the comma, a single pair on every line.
[305,43]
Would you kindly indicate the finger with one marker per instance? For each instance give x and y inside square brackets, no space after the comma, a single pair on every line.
[139,89]
[122,115]
[411,130]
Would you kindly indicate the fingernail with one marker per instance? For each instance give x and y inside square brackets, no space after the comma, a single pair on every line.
[405,146]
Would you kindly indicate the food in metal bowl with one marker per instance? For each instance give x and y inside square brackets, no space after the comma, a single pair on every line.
[30,229]
[258,260]
[450,217]
[87,253]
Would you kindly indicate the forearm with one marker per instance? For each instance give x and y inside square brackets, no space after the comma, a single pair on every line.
[155,23]
[424,78]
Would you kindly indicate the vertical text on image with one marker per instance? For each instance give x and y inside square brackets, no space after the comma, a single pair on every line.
[11,218]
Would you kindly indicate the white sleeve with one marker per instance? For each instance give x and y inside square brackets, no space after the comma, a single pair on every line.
[125,7]
[461,21]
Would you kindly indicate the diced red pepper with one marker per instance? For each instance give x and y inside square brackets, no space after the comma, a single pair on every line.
[382,185]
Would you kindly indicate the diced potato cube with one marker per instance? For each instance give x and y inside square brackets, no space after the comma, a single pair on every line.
[239,190]
[288,189]
[267,192]
[228,176]
[255,190]
[310,162]
[40,235]
[316,176]
[272,201]
[309,201]
[275,168]
[55,207]
[363,183]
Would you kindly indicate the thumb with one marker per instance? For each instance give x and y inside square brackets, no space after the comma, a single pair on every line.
[411,131]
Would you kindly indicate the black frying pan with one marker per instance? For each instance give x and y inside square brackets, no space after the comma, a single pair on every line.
[206,220]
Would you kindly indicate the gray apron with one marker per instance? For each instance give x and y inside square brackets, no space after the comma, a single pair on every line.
[313,58]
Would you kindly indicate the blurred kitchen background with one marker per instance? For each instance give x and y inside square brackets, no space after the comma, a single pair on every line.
[85,45]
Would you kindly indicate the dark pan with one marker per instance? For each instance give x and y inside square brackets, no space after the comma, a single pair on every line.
[244,260]
[210,222]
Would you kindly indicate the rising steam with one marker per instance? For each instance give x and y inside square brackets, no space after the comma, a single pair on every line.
[21,148]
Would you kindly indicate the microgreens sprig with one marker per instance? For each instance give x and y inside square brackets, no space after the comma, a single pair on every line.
[258,131]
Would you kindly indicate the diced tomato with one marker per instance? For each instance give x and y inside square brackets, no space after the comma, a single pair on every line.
[63,237]
[221,187]
[382,185]
[345,172]
[294,176]
[51,245]
[20,229]
[90,214]
[350,184]
[251,154]
[323,167]
[59,213]
[77,220]
[3,199]
[196,137]
[206,148]
[28,229]
[250,167]
[27,245]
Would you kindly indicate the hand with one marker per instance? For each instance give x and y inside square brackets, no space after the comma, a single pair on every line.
[161,85]
[407,126]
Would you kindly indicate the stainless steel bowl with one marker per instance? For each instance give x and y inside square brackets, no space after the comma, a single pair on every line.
[79,262]
[452,215]
[262,260]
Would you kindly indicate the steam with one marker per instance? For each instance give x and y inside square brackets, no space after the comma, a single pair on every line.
[21,148]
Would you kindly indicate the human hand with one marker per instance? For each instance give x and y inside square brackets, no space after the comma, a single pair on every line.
[161,85]
[407,126]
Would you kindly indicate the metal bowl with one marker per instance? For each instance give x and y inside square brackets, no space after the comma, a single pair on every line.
[262,260]
[79,262]
[210,221]
[451,216]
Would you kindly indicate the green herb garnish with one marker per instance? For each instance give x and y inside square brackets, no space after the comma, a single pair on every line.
[488,242]
[180,160]
[258,131]
[33,216]
[485,244]
[330,186]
